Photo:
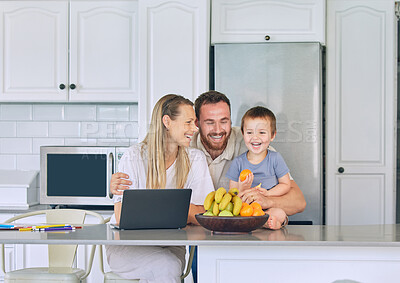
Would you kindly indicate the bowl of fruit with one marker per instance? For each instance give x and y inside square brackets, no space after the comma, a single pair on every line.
[226,213]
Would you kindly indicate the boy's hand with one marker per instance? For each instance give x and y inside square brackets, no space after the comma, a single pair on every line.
[245,186]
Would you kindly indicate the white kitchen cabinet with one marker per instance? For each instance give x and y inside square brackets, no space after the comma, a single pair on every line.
[78,51]
[174,52]
[9,250]
[242,21]
[360,112]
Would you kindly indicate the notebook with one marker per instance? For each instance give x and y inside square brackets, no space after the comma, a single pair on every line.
[154,209]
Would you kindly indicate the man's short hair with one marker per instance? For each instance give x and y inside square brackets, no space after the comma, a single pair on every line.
[210,97]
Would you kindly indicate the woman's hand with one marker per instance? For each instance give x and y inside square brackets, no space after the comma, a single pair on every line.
[119,182]
[193,210]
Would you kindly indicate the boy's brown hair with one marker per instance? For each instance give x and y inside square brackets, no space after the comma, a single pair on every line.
[260,112]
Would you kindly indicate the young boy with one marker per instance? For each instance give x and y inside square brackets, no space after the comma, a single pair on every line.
[270,174]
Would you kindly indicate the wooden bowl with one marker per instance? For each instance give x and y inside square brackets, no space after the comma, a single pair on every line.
[231,224]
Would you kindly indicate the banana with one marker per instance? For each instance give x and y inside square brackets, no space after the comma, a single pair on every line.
[237,205]
[208,200]
[219,194]
[215,209]
[233,191]
[224,202]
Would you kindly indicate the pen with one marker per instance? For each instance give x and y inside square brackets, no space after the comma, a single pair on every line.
[56,229]
[49,226]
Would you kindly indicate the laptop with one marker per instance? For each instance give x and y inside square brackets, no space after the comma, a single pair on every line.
[154,209]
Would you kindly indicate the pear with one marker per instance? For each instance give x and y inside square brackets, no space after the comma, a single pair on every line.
[229,207]
[225,213]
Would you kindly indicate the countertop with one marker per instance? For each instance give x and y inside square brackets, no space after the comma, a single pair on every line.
[292,235]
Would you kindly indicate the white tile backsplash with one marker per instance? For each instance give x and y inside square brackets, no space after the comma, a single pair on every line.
[32,129]
[105,130]
[28,162]
[15,145]
[38,142]
[80,112]
[80,142]
[48,112]
[26,127]
[126,130]
[8,162]
[15,112]
[64,129]
[8,129]
[113,113]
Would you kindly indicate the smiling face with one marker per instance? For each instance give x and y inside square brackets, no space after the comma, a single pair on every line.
[181,130]
[257,135]
[215,126]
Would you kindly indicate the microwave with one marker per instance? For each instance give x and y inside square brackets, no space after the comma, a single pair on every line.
[78,175]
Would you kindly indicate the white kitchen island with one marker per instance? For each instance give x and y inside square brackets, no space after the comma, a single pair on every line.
[294,254]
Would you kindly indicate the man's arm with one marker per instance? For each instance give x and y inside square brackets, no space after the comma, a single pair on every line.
[293,202]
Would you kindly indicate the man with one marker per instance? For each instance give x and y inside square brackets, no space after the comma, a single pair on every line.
[221,144]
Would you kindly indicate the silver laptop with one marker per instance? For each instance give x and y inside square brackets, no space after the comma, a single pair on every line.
[154,209]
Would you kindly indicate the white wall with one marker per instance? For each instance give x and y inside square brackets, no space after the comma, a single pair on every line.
[26,127]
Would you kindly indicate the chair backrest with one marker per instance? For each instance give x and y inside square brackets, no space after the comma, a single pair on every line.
[62,255]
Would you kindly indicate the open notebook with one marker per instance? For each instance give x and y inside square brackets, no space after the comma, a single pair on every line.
[154,209]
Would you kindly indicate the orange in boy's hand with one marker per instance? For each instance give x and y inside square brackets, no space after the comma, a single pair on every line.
[246,210]
[243,175]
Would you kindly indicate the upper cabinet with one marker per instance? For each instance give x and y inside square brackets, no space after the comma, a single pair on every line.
[174,52]
[79,51]
[242,21]
[360,112]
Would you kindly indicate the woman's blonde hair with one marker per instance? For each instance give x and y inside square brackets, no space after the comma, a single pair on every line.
[155,141]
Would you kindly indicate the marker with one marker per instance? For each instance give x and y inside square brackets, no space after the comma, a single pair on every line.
[6,226]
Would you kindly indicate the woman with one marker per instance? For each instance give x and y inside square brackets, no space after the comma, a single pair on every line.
[162,160]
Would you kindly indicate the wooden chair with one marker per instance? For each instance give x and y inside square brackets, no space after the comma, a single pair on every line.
[61,257]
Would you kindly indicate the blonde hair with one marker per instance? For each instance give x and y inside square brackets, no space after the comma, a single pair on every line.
[155,141]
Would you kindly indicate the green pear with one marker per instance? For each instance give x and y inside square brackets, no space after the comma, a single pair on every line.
[225,213]
[229,207]
[208,213]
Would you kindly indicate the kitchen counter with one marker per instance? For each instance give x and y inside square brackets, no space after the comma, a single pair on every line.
[302,253]
[292,235]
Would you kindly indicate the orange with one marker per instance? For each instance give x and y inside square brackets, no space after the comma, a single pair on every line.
[246,210]
[243,175]
[256,205]
[258,212]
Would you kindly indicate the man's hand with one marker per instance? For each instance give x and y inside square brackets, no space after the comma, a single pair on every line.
[119,182]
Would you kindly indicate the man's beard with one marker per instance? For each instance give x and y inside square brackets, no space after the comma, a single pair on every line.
[209,145]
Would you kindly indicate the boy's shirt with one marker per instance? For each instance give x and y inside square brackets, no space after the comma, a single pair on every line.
[267,172]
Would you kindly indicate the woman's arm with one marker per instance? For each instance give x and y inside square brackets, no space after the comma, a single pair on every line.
[193,210]
[117,211]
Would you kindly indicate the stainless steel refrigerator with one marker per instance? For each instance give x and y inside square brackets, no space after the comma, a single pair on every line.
[287,79]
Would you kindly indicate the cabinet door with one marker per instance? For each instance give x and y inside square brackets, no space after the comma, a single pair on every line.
[103,51]
[9,250]
[360,149]
[241,21]
[174,49]
[33,50]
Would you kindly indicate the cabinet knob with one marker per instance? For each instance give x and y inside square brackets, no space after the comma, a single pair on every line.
[72,86]
[340,170]
[267,37]
[61,86]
